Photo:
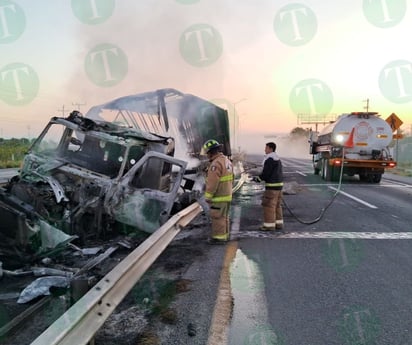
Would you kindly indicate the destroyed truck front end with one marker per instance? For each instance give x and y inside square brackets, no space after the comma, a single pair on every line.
[87,179]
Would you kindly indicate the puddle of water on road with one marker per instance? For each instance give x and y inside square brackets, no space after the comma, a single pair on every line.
[250,324]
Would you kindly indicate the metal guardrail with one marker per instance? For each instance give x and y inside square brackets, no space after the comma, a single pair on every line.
[79,324]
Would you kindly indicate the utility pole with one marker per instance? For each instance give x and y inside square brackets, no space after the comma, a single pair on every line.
[62,110]
[236,121]
[367,105]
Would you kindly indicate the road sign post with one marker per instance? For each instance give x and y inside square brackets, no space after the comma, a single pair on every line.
[395,122]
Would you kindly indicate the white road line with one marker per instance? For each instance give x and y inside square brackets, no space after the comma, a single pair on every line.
[358,185]
[235,220]
[249,323]
[354,198]
[396,185]
[327,234]
[302,166]
[301,173]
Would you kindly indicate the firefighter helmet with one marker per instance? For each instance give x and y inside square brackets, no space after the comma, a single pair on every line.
[211,144]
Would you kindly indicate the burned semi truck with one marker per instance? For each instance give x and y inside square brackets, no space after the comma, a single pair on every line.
[358,142]
[87,176]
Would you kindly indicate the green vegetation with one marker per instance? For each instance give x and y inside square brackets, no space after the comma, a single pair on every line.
[299,132]
[12,152]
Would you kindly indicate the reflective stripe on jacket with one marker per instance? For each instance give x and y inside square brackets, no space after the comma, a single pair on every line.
[219,179]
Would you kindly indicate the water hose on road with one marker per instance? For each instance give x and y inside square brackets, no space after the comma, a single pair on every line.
[317,219]
[323,210]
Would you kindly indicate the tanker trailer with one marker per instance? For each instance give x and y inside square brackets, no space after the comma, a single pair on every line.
[359,140]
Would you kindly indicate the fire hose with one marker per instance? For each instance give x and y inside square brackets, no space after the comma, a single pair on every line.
[323,210]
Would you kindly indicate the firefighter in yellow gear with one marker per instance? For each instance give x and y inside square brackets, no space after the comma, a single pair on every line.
[218,190]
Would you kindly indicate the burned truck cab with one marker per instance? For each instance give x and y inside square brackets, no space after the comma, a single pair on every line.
[88,178]
[128,164]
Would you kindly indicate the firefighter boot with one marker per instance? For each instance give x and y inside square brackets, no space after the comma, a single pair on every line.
[268,219]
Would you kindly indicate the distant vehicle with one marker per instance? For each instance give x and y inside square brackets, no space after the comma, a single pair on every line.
[359,141]
[87,177]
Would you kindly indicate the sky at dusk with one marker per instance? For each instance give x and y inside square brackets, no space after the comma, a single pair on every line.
[275,64]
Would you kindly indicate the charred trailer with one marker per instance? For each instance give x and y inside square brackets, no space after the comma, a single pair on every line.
[358,142]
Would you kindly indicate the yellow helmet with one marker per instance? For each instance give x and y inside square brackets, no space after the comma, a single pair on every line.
[210,144]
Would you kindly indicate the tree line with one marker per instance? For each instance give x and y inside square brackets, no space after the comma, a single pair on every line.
[12,152]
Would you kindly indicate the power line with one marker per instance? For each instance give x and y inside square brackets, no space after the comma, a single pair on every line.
[78,105]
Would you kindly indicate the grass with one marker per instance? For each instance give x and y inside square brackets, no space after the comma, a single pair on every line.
[403,169]
[10,164]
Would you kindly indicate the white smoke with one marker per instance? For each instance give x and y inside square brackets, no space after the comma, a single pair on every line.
[254,143]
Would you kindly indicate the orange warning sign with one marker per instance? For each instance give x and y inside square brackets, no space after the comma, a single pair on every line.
[394,121]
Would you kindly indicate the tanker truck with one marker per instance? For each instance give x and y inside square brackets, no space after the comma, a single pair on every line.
[358,141]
